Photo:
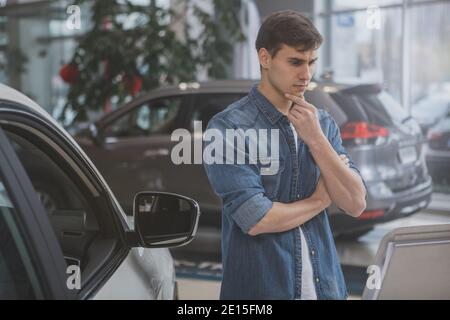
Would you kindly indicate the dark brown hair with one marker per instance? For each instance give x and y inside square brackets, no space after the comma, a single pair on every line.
[290,28]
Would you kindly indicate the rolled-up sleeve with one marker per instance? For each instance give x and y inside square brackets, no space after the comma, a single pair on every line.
[251,211]
[238,185]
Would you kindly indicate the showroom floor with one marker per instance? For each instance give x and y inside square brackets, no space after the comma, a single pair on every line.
[201,280]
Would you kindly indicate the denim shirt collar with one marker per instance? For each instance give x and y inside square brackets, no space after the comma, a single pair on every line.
[265,106]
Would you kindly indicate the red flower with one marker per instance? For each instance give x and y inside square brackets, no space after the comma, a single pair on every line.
[69,73]
[133,84]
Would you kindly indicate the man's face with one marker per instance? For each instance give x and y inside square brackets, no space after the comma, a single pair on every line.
[290,70]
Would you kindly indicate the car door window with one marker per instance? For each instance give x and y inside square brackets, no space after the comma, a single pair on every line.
[155,117]
[207,105]
[18,278]
[69,207]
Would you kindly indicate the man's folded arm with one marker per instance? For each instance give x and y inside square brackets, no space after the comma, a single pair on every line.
[243,195]
[286,216]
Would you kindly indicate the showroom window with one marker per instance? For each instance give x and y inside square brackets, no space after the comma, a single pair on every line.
[358,48]
[404,45]
[34,45]
[359,51]
[362,4]
[430,50]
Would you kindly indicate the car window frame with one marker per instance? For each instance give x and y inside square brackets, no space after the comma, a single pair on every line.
[186,100]
[197,97]
[36,230]
[119,221]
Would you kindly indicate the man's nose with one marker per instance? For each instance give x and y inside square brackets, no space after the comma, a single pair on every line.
[305,73]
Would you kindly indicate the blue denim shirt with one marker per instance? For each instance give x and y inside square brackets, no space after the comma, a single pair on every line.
[268,266]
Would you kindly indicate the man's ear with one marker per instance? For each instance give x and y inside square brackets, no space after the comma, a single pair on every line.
[264,58]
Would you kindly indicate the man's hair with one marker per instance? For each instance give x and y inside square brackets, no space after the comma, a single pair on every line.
[287,27]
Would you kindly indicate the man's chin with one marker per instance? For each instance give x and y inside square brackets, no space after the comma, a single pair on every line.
[298,90]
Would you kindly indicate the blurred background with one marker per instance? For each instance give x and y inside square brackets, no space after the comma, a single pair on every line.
[385,65]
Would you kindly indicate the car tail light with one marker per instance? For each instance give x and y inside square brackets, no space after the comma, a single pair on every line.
[363,133]
[434,135]
[371,214]
[436,140]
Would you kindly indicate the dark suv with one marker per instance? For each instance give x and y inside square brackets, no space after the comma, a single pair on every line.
[132,148]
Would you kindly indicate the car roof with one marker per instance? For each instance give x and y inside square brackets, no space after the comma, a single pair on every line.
[216,86]
[12,95]
[244,85]
[231,86]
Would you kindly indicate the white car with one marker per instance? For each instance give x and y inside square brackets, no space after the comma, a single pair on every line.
[429,110]
[63,234]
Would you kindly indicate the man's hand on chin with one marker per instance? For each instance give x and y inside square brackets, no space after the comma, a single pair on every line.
[304,117]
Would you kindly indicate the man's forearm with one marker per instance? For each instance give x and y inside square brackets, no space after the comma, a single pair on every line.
[286,216]
[344,186]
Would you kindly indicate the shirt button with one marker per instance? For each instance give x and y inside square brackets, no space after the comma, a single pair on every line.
[313,252]
[317,279]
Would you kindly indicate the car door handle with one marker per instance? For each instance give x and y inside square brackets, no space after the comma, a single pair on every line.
[156,152]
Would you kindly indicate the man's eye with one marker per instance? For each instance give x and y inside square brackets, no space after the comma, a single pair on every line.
[295,63]
[312,62]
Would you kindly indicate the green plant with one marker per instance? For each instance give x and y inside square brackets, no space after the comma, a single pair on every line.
[115,60]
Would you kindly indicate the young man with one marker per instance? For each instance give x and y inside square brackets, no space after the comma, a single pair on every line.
[276,239]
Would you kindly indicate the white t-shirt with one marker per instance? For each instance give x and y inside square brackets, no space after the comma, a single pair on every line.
[308,288]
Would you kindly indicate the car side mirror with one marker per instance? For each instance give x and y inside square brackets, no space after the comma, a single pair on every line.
[164,219]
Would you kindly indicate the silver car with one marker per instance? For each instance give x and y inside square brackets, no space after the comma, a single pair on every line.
[63,234]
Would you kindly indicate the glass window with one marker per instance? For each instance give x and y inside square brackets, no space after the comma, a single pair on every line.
[381,108]
[70,206]
[430,63]
[384,104]
[367,54]
[351,4]
[207,105]
[18,278]
[33,59]
[156,117]
[430,80]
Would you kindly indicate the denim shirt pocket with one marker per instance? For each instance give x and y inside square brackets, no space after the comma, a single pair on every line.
[271,179]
